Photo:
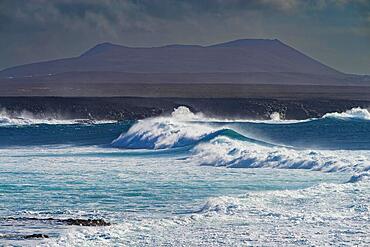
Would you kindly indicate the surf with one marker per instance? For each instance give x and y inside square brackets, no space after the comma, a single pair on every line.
[177,174]
[236,144]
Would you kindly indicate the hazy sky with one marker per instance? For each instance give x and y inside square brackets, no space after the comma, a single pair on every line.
[336,32]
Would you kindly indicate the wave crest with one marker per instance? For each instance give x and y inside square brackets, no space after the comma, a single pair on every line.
[354,113]
[221,205]
[164,132]
[363,176]
[223,151]
[222,145]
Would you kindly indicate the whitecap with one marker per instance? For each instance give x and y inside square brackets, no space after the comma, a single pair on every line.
[354,113]
[223,151]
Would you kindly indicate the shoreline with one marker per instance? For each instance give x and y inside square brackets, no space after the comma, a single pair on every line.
[134,108]
[27,88]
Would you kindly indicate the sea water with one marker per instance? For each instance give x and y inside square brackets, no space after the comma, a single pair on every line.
[186,180]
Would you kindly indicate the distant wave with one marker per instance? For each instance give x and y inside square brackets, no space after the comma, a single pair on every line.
[27,118]
[276,118]
[180,114]
[354,113]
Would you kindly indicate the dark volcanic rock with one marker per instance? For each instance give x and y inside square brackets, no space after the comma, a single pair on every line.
[70,221]
[20,236]
[129,108]
[36,235]
[82,222]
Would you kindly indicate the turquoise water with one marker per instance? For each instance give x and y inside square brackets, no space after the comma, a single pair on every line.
[187,180]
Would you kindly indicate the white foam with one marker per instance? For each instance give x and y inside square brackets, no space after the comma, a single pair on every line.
[27,118]
[275,116]
[182,113]
[357,113]
[164,132]
[181,128]
[322,215]
[221,205]
[223,151]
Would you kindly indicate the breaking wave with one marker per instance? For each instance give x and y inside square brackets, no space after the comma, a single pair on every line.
[182,128]
[216,142]
[164,132]
[223,151]
[363,176]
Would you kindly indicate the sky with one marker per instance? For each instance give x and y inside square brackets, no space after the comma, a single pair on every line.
[336,32]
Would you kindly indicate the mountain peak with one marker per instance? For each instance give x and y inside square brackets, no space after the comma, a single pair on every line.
[100,48]
[247,42]
[180,46]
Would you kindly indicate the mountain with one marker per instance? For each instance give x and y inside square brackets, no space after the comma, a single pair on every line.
[239,68]
[239,56]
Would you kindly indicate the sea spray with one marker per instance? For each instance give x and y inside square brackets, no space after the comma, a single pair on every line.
[164,132]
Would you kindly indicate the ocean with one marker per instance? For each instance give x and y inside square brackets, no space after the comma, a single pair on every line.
[186,179]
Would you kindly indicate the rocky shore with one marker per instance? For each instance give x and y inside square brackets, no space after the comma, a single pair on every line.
[132,108]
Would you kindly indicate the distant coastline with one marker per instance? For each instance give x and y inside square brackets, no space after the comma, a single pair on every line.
[134,108]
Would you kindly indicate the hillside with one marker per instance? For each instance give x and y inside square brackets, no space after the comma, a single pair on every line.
[240,56]
[182,71]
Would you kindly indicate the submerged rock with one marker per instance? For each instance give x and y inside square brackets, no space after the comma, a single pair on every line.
[35,235]
[88,222]
[19,236]
[70,221]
